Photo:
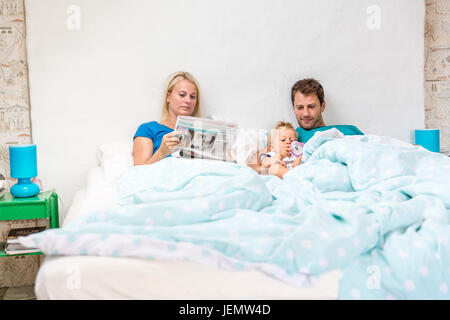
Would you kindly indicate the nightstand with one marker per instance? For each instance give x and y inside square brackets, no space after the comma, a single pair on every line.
[42,206]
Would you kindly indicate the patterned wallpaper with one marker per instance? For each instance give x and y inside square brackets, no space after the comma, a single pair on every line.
[14,101]
[437,68]
[14,127]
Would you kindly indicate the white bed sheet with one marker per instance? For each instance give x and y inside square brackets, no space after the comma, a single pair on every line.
[90,277]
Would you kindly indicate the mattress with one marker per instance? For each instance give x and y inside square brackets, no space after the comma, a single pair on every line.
[93,277]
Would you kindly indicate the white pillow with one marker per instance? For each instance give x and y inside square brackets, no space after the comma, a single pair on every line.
[95,178]
[248,143]
[115,157]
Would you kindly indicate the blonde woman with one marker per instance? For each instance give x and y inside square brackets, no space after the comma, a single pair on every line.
[153,140]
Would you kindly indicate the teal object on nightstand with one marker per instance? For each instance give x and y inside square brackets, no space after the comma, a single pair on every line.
[42,206]
[428,138]
[23,166]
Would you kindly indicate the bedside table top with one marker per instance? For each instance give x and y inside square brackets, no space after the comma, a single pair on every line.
[8,198]
[42,206]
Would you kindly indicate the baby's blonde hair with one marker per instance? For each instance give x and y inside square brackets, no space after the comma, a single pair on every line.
[280,125]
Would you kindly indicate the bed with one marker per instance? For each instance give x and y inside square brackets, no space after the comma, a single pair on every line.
[96,277]
[364,217]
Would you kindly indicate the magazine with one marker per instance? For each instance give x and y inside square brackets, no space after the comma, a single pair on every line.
[13,245]
[203,138]
[12,249]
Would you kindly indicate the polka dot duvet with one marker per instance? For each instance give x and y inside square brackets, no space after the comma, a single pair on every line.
[373,207]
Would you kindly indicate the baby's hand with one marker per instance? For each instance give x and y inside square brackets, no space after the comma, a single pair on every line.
[270,161]
[278,170]
[286,152]
[297,162]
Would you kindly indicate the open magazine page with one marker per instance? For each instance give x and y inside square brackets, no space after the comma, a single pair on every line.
[203,138]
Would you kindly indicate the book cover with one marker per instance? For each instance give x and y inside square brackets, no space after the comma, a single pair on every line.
[22,232]
[204,138]
[13,241]
[16,248]
[11,252]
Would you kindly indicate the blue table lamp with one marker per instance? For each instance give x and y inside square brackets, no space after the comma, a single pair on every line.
[23,166]
[428,138]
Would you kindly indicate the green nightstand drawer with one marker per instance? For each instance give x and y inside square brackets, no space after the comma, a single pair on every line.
[42,206]
[16,212]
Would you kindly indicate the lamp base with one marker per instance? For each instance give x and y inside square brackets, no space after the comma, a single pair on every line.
[24,188]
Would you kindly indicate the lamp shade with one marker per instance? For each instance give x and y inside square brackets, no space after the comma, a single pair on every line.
[23,161]
[428,138]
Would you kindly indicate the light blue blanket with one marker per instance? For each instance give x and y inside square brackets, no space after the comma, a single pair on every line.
[377,210]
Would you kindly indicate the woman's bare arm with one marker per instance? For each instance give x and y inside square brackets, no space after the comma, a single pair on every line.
[143,148]
[143,151]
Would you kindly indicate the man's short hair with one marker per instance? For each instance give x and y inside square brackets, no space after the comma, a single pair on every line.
[307,87]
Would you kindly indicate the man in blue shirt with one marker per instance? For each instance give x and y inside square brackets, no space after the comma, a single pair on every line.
[308,101]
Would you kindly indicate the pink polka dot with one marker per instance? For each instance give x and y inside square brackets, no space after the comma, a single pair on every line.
[409,285]
[307,244]
[290,254]
[323,262]
[403,254]
[424,270]
[341,252]
[355,294]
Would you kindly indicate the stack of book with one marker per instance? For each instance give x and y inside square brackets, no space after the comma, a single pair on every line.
[2,185]
[13,245]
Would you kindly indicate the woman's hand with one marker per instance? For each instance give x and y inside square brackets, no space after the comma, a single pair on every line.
[168,143]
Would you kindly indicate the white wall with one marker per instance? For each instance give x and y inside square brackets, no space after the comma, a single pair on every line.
[99,82]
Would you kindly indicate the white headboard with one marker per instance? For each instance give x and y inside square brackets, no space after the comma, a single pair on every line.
[97,67]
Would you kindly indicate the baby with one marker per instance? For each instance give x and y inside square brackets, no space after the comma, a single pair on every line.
[281,156]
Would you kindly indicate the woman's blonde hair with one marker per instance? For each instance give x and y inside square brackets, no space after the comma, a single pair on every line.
[173,79]
[280,125]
